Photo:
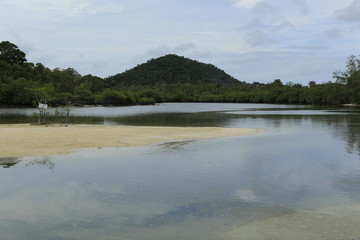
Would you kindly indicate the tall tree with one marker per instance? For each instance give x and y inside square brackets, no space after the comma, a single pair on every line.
[351,78]
[10,53]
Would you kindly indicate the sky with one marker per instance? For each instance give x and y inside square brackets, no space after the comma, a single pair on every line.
[252,40]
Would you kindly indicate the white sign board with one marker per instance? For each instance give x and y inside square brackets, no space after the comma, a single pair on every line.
[43,106]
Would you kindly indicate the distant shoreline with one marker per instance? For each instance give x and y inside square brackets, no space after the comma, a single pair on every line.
[350,105]
[20,140]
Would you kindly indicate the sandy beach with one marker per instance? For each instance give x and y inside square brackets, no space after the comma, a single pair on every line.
[18,140]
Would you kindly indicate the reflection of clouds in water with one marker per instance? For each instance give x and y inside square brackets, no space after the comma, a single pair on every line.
[350,185]
[71,210]
[246,195]
[296,177]
[65,200]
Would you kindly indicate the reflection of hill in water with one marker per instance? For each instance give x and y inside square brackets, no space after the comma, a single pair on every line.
[7,162]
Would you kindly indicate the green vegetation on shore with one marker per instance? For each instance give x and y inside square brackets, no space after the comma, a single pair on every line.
[170,78]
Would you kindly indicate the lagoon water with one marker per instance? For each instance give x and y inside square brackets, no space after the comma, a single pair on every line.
[300,179]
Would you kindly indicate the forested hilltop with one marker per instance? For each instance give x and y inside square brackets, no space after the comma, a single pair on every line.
[170,78]
[172,69]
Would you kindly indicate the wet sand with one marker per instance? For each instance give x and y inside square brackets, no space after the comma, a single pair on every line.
[340,223]
[19,140]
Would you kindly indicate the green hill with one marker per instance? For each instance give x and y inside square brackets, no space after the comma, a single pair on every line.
[171,69]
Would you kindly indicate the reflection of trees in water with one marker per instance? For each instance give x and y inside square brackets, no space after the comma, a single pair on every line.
[347,128]
[7,162]
[344,127]
[353,134]
[44,161]
[202,119]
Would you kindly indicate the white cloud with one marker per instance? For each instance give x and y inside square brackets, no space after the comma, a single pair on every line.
[246,3]
[351,13]
[253,23]
[205,56]
[334,33]
[258,38]
[302,6]
[106,8]
[159,50]
[262,8]
[184,47]
[201,33]
[284,25]
[67,8]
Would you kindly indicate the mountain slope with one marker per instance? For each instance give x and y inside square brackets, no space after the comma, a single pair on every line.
[171,69]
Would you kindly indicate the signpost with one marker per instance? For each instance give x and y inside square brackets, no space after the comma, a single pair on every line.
[43,107]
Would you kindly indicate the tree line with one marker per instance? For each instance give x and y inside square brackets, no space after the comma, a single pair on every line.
[167,79]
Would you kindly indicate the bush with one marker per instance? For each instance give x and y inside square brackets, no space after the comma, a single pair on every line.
[147,101]
[113,97]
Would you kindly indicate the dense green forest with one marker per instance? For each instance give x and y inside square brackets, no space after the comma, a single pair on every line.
[170,78]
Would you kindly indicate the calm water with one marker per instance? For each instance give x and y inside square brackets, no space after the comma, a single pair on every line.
[298,180]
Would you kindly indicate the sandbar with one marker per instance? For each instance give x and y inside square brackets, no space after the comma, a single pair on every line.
[19,140]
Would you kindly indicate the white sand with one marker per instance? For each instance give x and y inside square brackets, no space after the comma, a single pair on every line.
[17,140]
